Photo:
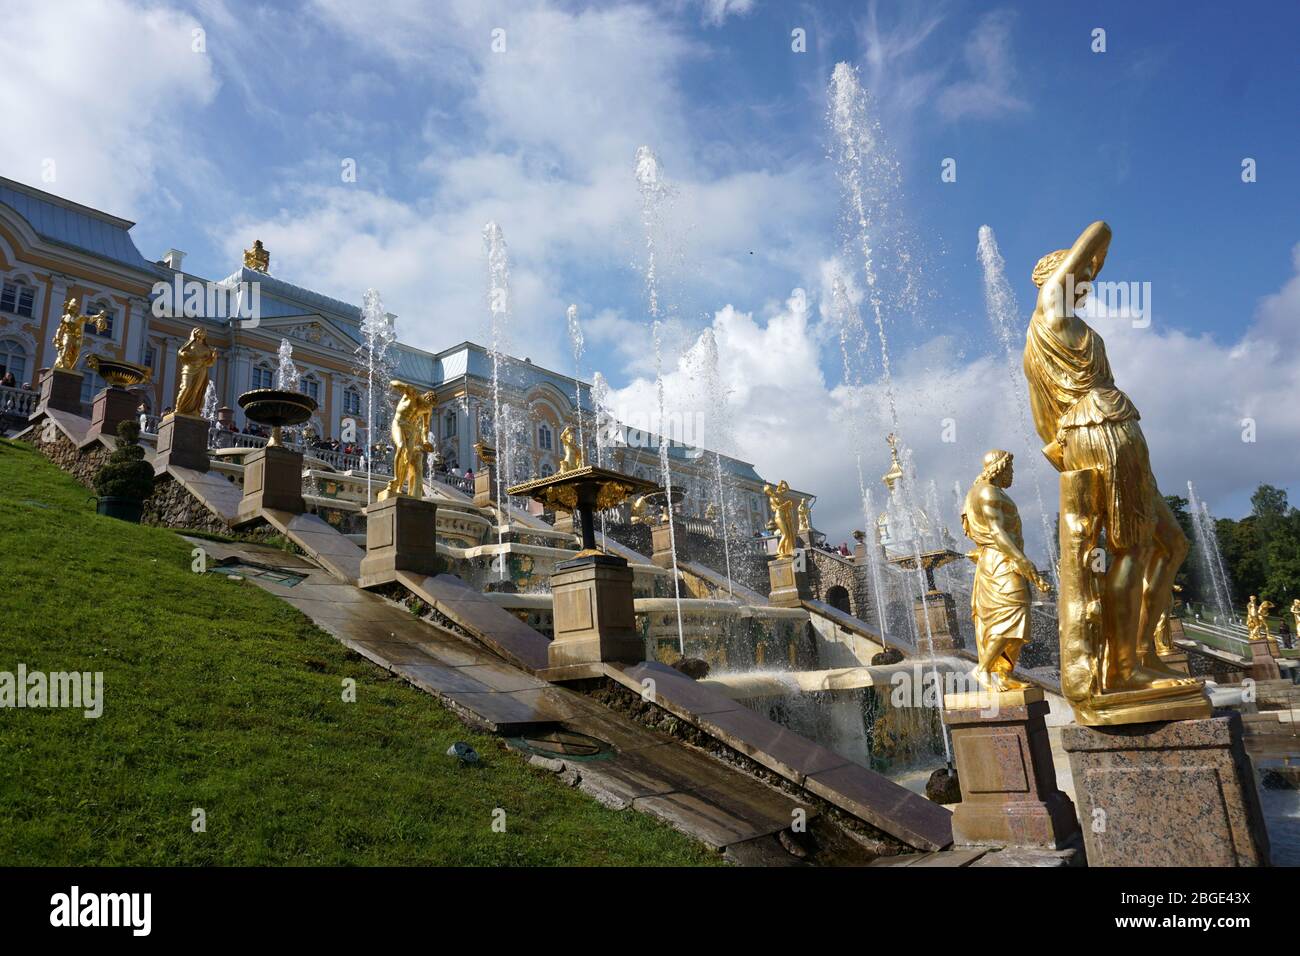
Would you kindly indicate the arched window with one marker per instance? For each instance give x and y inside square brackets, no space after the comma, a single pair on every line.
[91,384]
[351,401]
[13,360]
[263,377]
[309,385]
[547,469]
[17,297]
[449,425]
[544,438]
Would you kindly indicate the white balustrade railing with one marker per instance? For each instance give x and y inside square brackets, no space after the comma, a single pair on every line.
[18,402]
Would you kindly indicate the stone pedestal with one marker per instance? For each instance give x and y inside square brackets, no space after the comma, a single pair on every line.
[182,441]
[594,618]
[1004,766]
[1178,793]
[401,535]
[485,486]
[112,406]
[1263,665]
[789,585]
[563,521]
[940,610]
[272,479]
[662,536]
[61,390]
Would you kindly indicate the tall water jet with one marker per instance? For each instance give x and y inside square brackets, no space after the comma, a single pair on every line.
[711,375]
[577,343]
[869,176]
[498,293]
[1004,315]
[374,354]
[653,192]
[1207,549]
[605,429]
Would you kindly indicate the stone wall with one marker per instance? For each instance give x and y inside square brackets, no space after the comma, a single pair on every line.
[81,464]
[827,571]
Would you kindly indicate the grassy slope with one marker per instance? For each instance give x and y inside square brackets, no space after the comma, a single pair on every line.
[219,696]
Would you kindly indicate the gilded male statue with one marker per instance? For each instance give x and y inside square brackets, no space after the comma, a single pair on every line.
[412,419]
[1000,596]
[195,358]
[1091,432]
[71,332]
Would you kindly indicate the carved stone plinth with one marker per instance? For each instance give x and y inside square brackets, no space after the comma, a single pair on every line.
[1004,766]
[789,583]
[183,442]
[936,623]
[112,406]
[1179,793]
[594,618]
[272,479]
[1263,665]
[401,535]
[60,390]
[662,537]
[485,486]
[563,521]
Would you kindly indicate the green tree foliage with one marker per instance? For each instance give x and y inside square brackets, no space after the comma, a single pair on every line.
[126,474]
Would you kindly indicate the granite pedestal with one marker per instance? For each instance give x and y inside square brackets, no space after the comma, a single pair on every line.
[60,390]
[789,586]
[183,442]
[940,611]
[1004,766]
[1175,793]
[112,406]
[594,620]
[1263,665]
[485,486]
[662,538]
[401,535]
[563,521]
[272,479]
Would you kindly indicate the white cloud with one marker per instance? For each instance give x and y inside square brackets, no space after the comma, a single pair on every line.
[986,93]
[107,84]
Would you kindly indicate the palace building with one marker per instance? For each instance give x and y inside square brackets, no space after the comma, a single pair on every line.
[52,249]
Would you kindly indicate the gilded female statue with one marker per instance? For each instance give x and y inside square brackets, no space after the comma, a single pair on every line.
[71,332]
[573,458]
[195,357]
[1092,436]
[783,518]
[412,420]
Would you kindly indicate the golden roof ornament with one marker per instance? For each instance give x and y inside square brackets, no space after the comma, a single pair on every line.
[257,258]
[895,473]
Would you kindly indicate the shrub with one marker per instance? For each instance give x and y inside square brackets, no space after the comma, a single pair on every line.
[126,474]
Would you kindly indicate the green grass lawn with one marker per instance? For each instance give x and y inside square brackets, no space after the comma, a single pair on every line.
[221,697]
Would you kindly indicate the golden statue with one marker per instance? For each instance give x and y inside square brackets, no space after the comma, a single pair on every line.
[69,335]
[1164,632]
[195,358]
[573,457]
[1257,623]
[1111,601]
[783,518]
[257,258]
[640,507]
[412,420]
[487,455]
[999,599]
[1295,614]
[805,518]
[895,473]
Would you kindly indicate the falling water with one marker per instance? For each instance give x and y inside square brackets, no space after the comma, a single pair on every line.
[1004,316]
[498,293]
[377,338]
[286,375]
[718,413]
[869,176]
[1207,547]
[604,429]
[210,411]
[653,192]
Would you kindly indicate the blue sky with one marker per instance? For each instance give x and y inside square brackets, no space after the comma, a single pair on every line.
[247,136]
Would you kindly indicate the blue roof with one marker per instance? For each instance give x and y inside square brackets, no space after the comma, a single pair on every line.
[71,224]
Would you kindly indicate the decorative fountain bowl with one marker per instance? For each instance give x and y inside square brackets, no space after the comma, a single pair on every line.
[584,490]
[278,408]
[119,374]
[930,561]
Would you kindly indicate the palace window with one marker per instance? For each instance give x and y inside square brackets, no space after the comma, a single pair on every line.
[544,437]
[351,401]
[547,469]
[150,357]
[449,425]
[310,387]
[17,298]
[13,360]
[110,319]
[263,377]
